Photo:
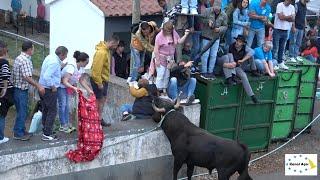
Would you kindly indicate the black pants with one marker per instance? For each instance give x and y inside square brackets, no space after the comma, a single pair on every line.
[6,102]
[49,110]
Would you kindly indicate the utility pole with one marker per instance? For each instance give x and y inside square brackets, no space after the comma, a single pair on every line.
[136,14]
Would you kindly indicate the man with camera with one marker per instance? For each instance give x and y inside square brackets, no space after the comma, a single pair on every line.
[180,81]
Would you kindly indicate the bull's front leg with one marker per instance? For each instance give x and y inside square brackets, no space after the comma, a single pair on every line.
[176,167]
[190,171]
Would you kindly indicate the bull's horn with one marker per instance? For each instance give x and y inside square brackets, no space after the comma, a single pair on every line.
[177,105]
[160,110]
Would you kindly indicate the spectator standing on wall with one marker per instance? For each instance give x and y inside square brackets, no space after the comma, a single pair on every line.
[297,29]
[164,50]
[41,12]
[100,72]
[6,89]
[71,74]
[240,20]
[259,12]
[50,78]
[21,79]
[16,10]
[285,16]
[215,25]
[120,61]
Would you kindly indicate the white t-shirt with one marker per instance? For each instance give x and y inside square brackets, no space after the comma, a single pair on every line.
[72,69]
[287,11]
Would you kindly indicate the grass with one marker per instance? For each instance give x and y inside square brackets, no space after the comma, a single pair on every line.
[14,47]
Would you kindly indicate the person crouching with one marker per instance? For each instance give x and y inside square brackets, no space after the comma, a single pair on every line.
[142,106]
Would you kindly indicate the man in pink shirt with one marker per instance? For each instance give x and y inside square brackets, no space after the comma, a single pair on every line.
[41,12]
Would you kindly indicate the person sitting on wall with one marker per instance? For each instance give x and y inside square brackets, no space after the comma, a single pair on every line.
[142,106]
[236,62]
[263,58]
[181,81]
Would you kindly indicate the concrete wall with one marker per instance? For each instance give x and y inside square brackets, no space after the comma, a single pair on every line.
[28,6]
[118,94]
[78,27]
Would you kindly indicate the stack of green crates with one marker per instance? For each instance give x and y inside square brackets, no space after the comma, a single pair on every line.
[226,111]
[306,97]
[286,103]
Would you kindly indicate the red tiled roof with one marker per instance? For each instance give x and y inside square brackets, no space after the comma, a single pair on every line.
[124,7]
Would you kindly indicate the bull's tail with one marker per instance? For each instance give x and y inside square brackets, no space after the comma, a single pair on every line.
[244,174]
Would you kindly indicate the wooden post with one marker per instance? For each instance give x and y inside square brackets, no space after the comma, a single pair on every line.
[136,14]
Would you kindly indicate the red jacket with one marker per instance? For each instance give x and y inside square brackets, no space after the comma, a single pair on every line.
[41,11]
[313,51]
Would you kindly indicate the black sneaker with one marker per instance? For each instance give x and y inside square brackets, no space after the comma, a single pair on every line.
[229,81]
[25,137]
[49,137]
[236,80]
[104,124]
[254,99]
[190,100]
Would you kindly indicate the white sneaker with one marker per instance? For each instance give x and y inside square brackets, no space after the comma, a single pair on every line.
[276,68]
[283,66]
[293,60]
[193,12]
[4,140]
[299,58]
[184,11]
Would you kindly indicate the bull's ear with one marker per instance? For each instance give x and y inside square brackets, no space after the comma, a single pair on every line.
[156,117]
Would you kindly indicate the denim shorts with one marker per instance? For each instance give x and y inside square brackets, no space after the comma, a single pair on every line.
[99,93]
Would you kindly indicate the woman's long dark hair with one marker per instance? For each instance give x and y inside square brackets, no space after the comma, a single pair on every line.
[240,6]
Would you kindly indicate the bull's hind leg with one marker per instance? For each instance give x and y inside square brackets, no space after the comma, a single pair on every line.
[176,167]
[225,173]
[190,171]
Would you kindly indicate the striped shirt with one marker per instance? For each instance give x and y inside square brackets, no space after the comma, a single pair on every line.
[4,73]
[22,67]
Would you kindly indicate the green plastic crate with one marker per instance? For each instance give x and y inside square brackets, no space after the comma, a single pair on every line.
[220,107]
[256,119]
[309,70]
[286,103]
[306,97]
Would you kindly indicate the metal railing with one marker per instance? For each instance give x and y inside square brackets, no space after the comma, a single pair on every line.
[15,41]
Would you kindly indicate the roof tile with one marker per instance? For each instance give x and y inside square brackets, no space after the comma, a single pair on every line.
[124,7]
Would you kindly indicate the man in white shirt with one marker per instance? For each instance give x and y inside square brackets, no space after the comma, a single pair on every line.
[285,16]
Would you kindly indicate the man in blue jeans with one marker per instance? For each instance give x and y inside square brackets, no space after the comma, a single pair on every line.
[285,16]
[298,29]
[21,79]
[181,81]
[215,24]
[259,12]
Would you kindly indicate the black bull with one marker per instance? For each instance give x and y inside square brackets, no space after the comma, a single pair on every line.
[196,147]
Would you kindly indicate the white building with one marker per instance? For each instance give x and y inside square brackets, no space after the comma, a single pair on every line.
[81,24]
[75,24]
